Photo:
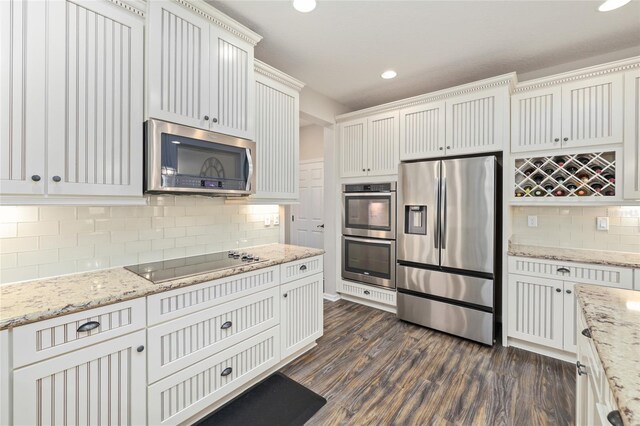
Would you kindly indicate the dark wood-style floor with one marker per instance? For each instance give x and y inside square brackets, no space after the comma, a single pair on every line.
[376,370]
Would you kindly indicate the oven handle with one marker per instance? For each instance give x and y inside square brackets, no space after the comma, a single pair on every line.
[369,240]
[250,174]
[375,194]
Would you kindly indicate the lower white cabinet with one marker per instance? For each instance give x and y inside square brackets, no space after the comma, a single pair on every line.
[301,313]
[100,384]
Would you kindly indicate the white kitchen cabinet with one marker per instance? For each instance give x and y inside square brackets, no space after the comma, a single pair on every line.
[632,135]
[476,122]
[74,129]
[580,113]
[200,75]
[422,131]
[301,313]
[101,384]
[370,146]
[277,134]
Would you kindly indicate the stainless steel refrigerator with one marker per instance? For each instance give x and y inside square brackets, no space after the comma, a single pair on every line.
[447,242]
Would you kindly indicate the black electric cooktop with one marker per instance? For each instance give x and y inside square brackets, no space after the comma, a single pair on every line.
[167,270]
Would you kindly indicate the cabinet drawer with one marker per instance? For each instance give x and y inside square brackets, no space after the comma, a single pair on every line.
[571,271]
[45,339]
[180,343]
[180,396]
[300,268]
[375,294]
[176,303]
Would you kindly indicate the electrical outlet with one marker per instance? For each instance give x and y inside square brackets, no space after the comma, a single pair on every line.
[276,219]
[267,221]
[602,223]
[532,221]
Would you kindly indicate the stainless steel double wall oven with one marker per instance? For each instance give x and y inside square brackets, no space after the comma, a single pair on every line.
[369,233]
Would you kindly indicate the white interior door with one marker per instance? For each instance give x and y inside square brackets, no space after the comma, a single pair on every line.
[307,218]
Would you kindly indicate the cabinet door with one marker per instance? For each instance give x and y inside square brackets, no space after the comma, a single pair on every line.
[353,148]
[536,310]
[422,131]
[95,108]
[570,312]
[476,122]
[536,120]
[101,384]
[277,140]
[22,97]
[632,136]
[383,144]
[178,64]
[301,313]
[592,111]
[232,91]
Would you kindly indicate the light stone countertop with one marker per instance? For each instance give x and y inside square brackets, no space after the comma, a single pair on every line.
[613,317]
[37,300]
[599,257]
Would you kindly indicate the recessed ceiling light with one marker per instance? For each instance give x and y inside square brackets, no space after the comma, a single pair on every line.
[388,74]
[609,5]
[304,6]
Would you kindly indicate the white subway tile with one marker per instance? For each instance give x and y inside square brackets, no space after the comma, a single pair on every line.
[123,259]
[110,224]
[150,256]
[186,221]
[37,257]
[75,253]
[9,260]
[174,232]
[166,243]
[151,234]
[174,253]
[80,226]
[94,212]
[11,275]
[174,211]
[92,264]
[10,214]
[184,201]
[57,213]
[35,229]
[110,249]
[58,241]
[137,246]
[163,222]
[138,223]
[124,236]
[161,200]
[185,241]
[8,230]
[94,238]
[17,245]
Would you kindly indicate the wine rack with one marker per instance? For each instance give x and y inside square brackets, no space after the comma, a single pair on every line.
[568,175]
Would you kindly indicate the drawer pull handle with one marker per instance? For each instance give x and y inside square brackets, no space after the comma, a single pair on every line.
[586,333]
[303,267]
[367,292]
[563,270]
[88,326]
[226,371]
[580,367]
[226,325]
[615,418]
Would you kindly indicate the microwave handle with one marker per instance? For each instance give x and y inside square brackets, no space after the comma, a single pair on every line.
[249,176]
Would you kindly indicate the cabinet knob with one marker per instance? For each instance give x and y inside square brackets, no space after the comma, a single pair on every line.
[586,333]
[579,367]
[35,178]
[448,147]
[558,290]
[363,170]
[568,291]
[441,148]
[215,120]
[367,292]
[615,418]
[226,325]
[303,267]
[556,140]
[565,139]
[140,348]
[56,178]
[368,170]
[226,371]
[206,118]
[284,295]
[88,326]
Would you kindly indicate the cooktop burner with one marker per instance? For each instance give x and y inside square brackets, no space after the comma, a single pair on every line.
[167,270]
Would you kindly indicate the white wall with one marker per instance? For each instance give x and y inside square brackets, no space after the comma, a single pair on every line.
[311,142]
[45,241]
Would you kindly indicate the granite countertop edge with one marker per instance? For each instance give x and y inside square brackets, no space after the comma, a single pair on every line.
[567,254]
[139,287]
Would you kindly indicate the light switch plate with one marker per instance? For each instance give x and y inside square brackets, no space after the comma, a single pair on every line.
[267,221]
[602,223]
[532,221]
[276,219]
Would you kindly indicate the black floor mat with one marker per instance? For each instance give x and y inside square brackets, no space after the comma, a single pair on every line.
[275,401]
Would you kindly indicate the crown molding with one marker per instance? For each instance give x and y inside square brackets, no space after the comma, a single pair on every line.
[594,71]
[507,81]
[220,19]
[277,75]
[138,7]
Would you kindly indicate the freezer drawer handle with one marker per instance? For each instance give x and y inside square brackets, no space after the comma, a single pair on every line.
[580,367]
[615,418]
[586,333]
[226,325]
[88,326]
[226,371]
[563,270]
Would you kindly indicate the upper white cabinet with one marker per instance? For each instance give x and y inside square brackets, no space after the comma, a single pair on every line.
[200,74]
[277,134]
[632,136]
[370,146]
[422,130]
[571,115]
[75,128]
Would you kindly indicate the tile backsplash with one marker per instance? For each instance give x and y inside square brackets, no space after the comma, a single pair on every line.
[45,241]
[576,227]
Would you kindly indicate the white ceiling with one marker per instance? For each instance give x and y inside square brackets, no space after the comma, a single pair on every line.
[341,48]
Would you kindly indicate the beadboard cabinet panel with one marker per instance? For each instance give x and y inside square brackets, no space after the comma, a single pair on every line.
[422,131]
[101,384]
[301,313]
[179,65]
[95,81]
[22,97]
[569,342]
[632,135]
[353,148]
[592,111]
[383,135]
[277,137]
[536,118]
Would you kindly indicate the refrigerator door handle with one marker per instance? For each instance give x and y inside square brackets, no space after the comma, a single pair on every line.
[443,220]
[436,219]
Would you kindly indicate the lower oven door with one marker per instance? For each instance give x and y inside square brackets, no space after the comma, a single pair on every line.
[369,261]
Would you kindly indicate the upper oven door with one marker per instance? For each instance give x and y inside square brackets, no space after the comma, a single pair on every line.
[369,214]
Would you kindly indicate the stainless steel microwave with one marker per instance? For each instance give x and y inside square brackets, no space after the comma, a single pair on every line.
[185,160]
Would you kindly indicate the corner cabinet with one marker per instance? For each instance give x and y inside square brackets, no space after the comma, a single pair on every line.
[632,136]
[277,134]
[200,74]
[75,128]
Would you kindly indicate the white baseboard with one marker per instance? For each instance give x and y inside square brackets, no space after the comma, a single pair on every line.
[542,350]
[331,297]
